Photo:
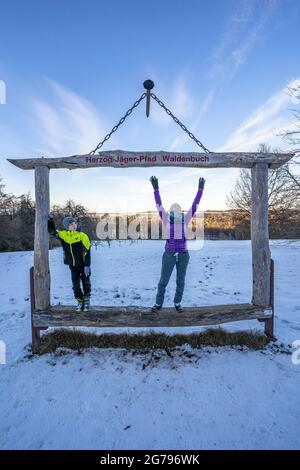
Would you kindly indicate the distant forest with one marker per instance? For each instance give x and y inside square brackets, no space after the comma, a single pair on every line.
[17,216]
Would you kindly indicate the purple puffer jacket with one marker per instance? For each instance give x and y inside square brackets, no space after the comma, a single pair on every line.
[177,240]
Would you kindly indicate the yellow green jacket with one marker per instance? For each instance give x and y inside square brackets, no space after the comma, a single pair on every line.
[76,245]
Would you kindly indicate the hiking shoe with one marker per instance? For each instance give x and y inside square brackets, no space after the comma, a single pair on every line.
[156,308]
[86,303]
[178,308]
[79,305]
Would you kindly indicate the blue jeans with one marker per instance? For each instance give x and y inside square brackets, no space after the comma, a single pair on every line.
[169,260]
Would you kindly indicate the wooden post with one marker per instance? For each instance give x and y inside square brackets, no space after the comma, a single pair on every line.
[41,238]
[269,323]
[261,257]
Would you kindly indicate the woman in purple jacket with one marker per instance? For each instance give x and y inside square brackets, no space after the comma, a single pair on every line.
[175,224]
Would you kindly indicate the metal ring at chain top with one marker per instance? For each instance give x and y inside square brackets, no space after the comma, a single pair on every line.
[183,127]
[119,123]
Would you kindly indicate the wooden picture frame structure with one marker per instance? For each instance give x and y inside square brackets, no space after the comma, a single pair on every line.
[261,308]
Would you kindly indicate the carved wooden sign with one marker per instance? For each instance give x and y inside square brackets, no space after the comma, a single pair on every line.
[125,159]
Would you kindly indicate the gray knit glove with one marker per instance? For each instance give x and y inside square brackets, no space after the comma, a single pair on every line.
[87,271]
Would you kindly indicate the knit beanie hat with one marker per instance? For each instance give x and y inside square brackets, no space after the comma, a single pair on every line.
[67,221]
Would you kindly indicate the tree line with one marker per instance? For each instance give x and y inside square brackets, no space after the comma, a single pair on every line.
[17,216]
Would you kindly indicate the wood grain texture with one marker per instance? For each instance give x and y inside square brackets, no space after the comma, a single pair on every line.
[41,238]
[261,256]
[125,159]
[132,316]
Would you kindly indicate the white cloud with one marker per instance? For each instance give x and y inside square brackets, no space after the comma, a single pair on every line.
[232,39]
[265,124]
[69,126]
[183,138]
[2,92]
[179,101]
[242,33]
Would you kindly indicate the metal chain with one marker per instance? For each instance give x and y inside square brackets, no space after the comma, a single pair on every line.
[115,128]
[183,127]
[143,96]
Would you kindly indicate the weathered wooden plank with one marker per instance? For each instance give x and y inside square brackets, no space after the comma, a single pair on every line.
[132,316]
[125,159]
[261,257]
[41,238]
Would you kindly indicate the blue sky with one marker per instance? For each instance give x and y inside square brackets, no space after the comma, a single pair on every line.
[71,69]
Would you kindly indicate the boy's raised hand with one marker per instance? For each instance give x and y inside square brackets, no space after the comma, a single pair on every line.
[201,183]
[154,182]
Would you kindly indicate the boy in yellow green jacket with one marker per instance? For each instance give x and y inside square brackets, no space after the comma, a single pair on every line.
[77,254]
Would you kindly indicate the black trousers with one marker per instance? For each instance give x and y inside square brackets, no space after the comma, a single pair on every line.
[77,276]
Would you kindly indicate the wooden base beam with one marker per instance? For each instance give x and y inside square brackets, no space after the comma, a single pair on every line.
[131,316]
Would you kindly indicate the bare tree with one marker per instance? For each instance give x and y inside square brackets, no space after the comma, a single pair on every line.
[283,194]
[292,138]
[74,209]
[84,218]
[17,217]
[16,221]
[240,198]
[284,198]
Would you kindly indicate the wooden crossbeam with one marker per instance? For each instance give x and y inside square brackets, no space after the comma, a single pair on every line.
[125,159]
[131,316]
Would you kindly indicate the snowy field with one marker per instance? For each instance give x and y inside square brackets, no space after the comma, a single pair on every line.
[112,399]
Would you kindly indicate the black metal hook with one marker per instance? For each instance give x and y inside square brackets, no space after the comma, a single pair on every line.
[148,85]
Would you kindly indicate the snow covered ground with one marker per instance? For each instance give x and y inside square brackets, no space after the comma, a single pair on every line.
[112,399]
